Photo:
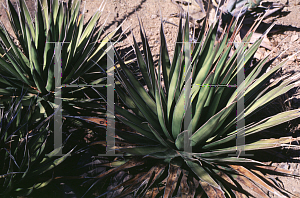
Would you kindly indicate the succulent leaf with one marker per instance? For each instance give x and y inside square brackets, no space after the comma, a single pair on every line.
[213,114]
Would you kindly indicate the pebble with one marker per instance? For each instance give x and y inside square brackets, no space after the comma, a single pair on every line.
[288,39]
[277,39]
[284,166]
[289,62]
[294,38]
[285,47]
[153,16]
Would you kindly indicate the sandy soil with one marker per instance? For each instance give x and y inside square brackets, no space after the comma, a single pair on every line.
[152,12]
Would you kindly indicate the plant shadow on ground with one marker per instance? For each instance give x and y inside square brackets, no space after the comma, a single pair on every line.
[291,128]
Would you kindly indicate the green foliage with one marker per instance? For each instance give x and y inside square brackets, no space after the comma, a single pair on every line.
[31,63]
[158,113]
[24,150]
[27,63]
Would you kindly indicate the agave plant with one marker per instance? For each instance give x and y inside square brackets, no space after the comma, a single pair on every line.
[31,63]
[23,149]
[156,154]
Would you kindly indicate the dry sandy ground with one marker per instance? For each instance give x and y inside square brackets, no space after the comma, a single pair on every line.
[152,12]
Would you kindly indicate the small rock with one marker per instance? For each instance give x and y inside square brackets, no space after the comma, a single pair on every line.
[284,166]
[285,47]
[260,53]
[294,38]
[153,16]
[289,62]
[288,39]
[277,39]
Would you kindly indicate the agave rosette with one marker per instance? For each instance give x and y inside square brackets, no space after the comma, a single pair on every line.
[30,65]
[157,113]
[24,150]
